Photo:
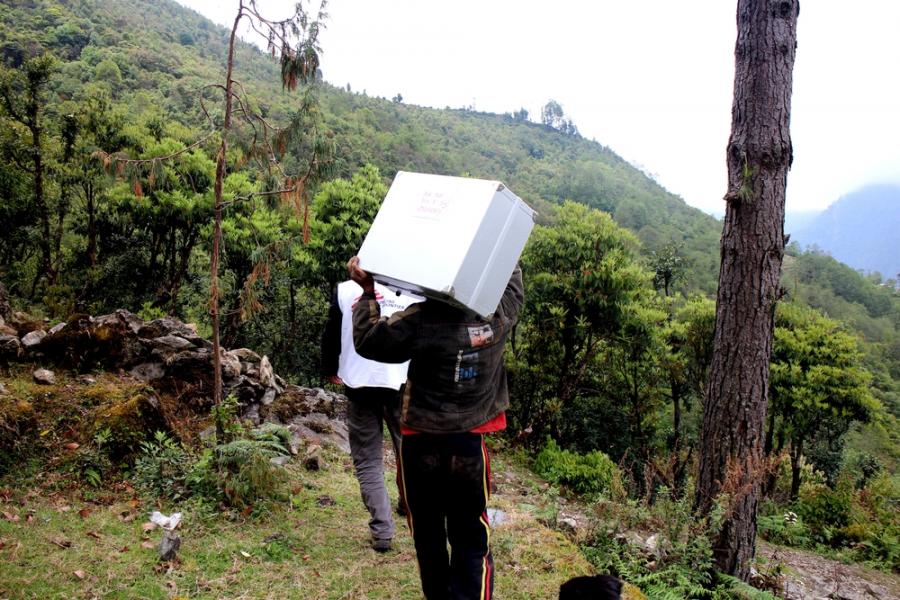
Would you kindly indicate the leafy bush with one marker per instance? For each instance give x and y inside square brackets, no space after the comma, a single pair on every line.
[592,473]
[162,467]
[826,511]
[682,567]
[779,529]
[241,473]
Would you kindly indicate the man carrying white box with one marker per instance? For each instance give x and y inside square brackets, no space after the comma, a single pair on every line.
[455,393]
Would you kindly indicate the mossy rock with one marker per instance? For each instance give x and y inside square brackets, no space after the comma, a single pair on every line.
[17,419]
[287,405]
[131,416]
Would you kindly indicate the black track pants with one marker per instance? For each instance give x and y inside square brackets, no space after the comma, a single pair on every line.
[446,479]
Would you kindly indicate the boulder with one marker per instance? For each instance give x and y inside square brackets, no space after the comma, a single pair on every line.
[56,328]
[86,342]
[313,460]
[44,377]
[231,365]
[169,343]
[247,355]
[266,374]
[165,326]
[318,429]
[10,347]
[30,341]
[148,371]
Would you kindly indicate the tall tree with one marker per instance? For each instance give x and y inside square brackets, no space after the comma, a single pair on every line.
[818,385]
[759,155]
[295,42]
[23,92]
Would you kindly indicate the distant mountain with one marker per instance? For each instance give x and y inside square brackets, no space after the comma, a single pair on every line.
[861,229]
[796,220]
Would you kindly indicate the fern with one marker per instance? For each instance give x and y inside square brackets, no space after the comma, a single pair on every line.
[742,591]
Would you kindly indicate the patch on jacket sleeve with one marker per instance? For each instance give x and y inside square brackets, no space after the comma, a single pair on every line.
[480,335]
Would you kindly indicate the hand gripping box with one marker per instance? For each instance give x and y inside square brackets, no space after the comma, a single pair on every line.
[453,239]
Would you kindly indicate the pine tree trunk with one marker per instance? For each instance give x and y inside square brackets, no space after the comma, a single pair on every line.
[759,155]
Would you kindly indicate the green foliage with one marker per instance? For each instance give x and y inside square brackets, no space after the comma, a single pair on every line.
[161,468]
[817,386]
[592,473]
[863,525]
[783,529]
[585,292]
[241,472]
[91,462]
[342,214]
[682,566]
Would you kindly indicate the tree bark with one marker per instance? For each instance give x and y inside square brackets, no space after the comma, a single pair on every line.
[796,454]
[759,155]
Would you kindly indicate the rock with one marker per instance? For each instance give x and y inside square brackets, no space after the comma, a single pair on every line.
[148,371]
[33,339]
[313,460]
[86,380]
[56,328]
[3,391]
[7,330]
[44,377]
[231,365]
[281,460]
[208,434]
[247,355]
[318,429]
[165,326]
[266,374]
[651,544]
[10,347]
[246,390]
[168,547]
[170,343]
[496,516]
[268,397]
[568,524]
[252,414]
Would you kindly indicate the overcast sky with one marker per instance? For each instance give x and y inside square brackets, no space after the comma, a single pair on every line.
[651,79]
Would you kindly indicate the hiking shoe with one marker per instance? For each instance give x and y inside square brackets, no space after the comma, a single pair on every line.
[381,544]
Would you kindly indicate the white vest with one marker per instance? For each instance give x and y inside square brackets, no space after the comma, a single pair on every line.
[354,370]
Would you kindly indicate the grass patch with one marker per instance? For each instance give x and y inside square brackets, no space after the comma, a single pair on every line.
[60,538]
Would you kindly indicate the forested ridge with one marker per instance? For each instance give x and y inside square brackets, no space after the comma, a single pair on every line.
[108,123]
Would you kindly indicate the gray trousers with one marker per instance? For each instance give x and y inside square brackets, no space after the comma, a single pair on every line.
[367,410]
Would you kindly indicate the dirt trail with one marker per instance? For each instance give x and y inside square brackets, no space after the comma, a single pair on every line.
[809,576]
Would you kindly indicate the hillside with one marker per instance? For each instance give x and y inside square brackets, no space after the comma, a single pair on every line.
[860,230]
[106,196]
[155,59]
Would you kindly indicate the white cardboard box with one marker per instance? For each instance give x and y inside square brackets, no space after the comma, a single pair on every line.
[454,239]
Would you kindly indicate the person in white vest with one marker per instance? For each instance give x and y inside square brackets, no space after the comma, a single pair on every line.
[372,389]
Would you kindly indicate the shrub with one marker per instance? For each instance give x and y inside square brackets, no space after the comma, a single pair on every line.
[826,511]
[162,467]
[592,473]
[241,472]
[779,529]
